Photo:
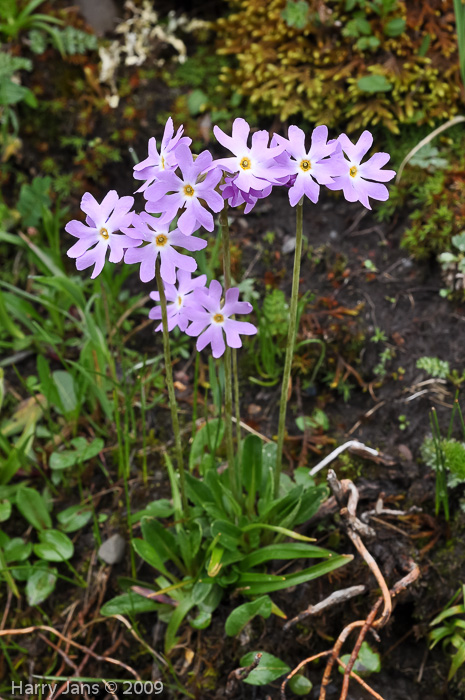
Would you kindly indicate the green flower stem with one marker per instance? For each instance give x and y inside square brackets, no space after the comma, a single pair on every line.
[195,394]
[228,408]
[290,345]
[237,403]
[170,385]
[226,250]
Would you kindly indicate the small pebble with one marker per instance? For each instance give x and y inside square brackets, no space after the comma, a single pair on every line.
[288,245]
[112,550]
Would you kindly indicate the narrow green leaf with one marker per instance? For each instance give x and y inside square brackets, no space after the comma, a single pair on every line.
[251,467]
[128,604]
[229,534]
[241,615]
[32,507]
[5,510]
[150,555]
[215,565]
[458,660]
[64,383]
[284,550]
[179,613]
[268,670]
[277,528]
[257,584]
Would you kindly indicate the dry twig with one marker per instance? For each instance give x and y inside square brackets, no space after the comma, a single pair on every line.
[346,495]
[87,650]
[240,674]
[333,599]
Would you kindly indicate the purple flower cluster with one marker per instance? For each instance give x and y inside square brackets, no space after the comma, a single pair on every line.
[182,191]
[191,301]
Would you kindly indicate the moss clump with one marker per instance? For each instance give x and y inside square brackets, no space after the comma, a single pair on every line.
[349,63]
[440,212]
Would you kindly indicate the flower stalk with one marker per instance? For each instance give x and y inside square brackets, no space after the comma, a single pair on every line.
[228,401]
[290,344]
[227,284]
[170,386]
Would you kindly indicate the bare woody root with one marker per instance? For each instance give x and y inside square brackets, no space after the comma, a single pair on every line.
[346,495]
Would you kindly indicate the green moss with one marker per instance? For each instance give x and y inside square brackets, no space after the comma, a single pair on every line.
[351,63]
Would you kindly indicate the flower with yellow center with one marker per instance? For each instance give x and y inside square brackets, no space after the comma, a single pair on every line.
[99,233]
[254,167]
[161,243]
[309,168]
[178,297]
[192,191]
[211,319]
[163,161]
[161,240]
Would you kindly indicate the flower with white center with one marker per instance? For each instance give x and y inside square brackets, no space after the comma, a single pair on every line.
[361,180]
[311,168]
[180,297]
[99,232]
[172,192]
[160,241]
[256,166]
[211,321]
[156,163]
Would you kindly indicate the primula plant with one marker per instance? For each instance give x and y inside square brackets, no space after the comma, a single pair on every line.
[229,520]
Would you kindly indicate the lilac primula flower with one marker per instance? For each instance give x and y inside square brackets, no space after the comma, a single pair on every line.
[156,163]
[362,180]
[310,168]
[171,192]
[256,167]
[236,197]
[180,298]
[98,233]
[211,321]
[160,242]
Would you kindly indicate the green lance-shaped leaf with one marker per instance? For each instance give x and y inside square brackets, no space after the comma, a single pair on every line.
[241,615]
[268,670]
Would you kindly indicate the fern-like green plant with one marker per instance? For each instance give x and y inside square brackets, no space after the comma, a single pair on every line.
[446,456]
[273,321]
[72,41]
[434,367]
[450,630]
[11,93]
